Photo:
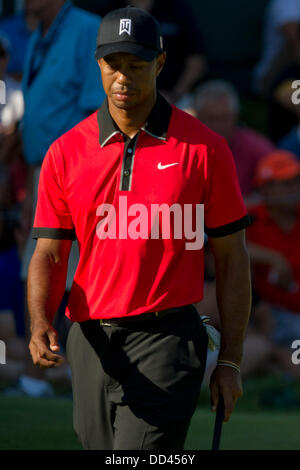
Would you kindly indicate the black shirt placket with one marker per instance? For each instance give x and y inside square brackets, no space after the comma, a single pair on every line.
[128,160]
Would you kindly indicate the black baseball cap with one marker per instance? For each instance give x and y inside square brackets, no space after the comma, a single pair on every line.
[131,30]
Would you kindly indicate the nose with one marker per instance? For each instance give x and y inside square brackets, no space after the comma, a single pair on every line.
[124,77]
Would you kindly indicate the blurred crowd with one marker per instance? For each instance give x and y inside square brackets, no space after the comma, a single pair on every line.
[50,81]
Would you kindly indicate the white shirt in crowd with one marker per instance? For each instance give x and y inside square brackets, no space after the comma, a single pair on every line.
[13,109]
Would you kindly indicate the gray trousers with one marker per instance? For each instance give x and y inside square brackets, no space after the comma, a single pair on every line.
[137,387]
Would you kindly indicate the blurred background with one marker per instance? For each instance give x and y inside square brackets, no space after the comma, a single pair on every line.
[232,64]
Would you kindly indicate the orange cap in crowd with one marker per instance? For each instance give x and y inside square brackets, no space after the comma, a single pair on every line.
[279,165]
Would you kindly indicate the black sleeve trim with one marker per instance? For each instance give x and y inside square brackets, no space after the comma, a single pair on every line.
[228,229]
[55,233]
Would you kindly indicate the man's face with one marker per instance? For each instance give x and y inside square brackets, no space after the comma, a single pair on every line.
[282,194]
[129,81]
[218,115]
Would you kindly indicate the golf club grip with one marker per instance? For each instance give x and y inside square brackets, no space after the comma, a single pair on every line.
[218,424]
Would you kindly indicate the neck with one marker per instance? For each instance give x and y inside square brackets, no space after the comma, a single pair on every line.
[49,15]
[131,120]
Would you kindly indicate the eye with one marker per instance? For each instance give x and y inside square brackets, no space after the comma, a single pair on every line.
[135,66]
[112,65]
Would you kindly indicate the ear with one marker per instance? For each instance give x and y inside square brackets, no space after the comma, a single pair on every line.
[160,62]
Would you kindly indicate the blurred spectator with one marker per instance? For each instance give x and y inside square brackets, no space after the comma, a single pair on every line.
[282,113]
[273,243]
[11,302]
[257,350]
[99,7]
[281,46]
[216,104]
[62,86]
[18,29]
[11,110]
[12,158]
[185,66]
[290,141]
[12,186]
[279,62]
[11,289]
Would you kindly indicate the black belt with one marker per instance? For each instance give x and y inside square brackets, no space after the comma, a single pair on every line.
[123,321]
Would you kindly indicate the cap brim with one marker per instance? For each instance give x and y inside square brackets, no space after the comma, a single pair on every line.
[143,52]
[287,175]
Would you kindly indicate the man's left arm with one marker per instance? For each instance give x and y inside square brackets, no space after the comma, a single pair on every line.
[233,291]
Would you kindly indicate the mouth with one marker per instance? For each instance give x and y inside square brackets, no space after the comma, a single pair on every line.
[123,95]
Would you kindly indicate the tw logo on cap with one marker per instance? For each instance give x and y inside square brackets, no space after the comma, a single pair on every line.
[125,26]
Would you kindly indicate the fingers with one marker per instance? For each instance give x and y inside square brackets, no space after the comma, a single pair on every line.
[226,383]
[229,404]
[41,355]
[214,395]
[54,346]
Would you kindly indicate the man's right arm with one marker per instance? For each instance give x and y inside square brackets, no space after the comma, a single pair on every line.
[45,289]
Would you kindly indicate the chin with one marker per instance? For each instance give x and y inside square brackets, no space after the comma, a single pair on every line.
[123,105]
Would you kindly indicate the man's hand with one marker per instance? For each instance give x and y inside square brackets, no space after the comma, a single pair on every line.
[43,341]
[225,381]
[47,274]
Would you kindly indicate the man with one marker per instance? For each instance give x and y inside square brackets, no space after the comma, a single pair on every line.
[137,347]
[279,61]
[280,42]
[184,70]
[11,112]
[217,105]
[11,289]
[61,87]
[285,92]
[11,102]
[18,29]
[274,249]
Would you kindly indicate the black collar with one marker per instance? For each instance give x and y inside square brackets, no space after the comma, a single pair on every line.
[157,124]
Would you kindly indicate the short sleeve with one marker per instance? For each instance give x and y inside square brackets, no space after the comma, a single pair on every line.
[224,209]
[52,216]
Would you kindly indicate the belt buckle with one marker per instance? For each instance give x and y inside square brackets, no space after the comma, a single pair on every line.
[156,314]
[104,323]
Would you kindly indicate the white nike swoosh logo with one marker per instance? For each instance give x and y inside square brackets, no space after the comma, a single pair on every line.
[162,167]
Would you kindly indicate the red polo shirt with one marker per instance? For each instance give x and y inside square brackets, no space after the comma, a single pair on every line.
[174,159]
[265,232]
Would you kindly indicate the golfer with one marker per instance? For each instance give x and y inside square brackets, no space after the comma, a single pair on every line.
[137,346]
